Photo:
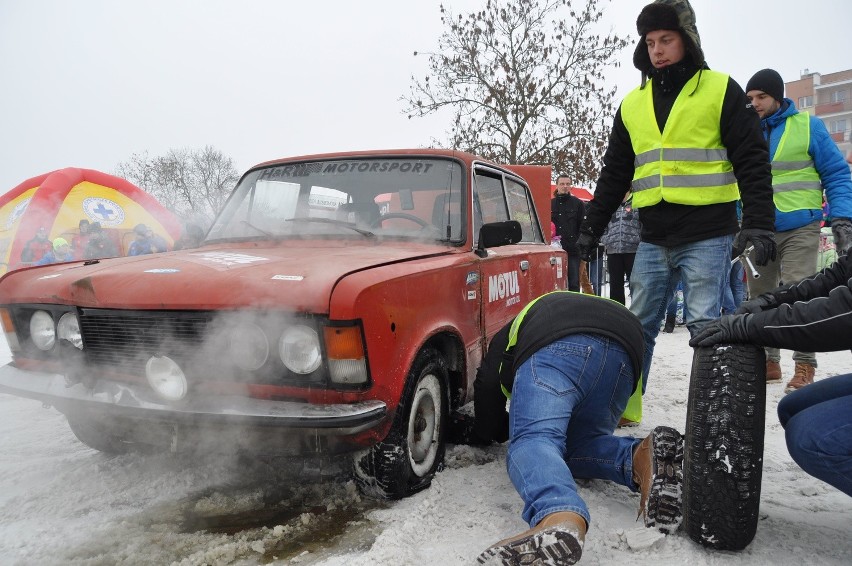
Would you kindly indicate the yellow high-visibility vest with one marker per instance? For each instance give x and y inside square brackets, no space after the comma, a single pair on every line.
[686,163]
[795,182]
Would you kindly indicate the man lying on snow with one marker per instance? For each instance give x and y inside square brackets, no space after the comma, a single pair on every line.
[813,315]
[570,362]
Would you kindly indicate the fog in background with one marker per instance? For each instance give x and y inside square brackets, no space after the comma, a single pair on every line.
[89,83]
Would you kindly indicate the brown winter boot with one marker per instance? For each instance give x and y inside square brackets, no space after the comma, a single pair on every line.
[803,375]
[658,473]
[585,282]
[773,372]
[556,539]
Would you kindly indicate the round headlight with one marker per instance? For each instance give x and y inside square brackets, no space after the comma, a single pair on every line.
[42,330]
[299,349]
[69,329]
[249,347]
[166,378]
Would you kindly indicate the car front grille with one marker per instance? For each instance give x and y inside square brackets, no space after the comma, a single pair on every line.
[126,340]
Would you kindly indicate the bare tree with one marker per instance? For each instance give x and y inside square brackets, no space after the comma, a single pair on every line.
[525,80]
[192,183]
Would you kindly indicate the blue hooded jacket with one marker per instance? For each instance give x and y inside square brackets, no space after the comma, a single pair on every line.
[828,161]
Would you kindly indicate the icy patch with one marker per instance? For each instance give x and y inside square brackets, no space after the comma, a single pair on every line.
[641,538]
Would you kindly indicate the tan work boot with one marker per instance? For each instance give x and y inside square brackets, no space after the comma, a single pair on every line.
[658,473]
[556,539]
[773,372]
[803,375]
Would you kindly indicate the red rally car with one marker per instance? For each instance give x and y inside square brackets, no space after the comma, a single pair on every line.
[339,303]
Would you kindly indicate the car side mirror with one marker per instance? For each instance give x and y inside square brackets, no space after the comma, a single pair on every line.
[496,234]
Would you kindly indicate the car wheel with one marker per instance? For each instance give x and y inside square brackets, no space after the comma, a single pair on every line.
[723,459]
[413,451]
[94,437]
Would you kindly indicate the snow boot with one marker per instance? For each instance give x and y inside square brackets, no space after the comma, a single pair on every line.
[773,372]
[671,319]
[658,473]
[556,539]
[802,376]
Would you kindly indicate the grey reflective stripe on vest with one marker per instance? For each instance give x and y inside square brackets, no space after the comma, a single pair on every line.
[792,165]
[678,154]
[797,186]
[684,181]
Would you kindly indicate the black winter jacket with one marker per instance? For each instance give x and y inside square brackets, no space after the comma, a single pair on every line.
[815,314]
[667,224]
[566,212]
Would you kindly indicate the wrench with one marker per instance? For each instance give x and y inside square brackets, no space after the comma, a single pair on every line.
[743,257]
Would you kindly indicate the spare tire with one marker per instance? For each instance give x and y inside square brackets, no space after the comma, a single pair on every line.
[723,454]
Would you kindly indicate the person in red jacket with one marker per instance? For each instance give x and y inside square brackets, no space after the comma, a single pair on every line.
[35,249]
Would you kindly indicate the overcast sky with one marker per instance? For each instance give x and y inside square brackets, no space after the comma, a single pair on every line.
[88,83]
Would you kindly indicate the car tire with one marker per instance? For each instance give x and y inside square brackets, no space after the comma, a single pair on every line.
[94,437]
[723,456]
[413,451]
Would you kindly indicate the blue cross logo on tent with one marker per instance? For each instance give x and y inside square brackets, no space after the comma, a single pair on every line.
[102,210]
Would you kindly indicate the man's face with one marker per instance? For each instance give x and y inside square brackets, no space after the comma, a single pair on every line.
[762,103]
[41,234]
[665,47]
[563,186]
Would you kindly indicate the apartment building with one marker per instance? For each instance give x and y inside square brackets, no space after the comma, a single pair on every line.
[829,97]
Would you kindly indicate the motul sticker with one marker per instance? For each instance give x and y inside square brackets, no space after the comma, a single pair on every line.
[504,286]
[288,277]
[472,278]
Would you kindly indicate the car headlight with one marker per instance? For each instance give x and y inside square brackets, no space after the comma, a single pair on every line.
[69,329]
[299,349]
[166,378]
[42,330]
[249,347]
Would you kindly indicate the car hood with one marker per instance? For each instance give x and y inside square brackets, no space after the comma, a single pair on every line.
[212,277]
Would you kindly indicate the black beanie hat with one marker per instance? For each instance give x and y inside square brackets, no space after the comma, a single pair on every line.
[769,81]
[676,15]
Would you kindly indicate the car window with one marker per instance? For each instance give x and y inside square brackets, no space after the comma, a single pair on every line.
[388,197]
[522,210]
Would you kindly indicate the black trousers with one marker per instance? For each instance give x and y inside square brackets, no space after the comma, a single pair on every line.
[619,267]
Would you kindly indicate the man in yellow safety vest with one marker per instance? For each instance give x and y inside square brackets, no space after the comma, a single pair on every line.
[688,147]
[805,162]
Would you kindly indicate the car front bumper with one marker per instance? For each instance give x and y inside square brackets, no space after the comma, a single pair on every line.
[111,400]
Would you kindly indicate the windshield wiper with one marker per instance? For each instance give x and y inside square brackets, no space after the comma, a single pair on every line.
[350,225]
[261,230]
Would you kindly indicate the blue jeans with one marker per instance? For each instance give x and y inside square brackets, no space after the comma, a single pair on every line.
[566,401]
[703,268]
[817,421]
[671,310]
[734,294]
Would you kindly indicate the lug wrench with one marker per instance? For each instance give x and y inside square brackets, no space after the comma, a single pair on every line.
[743,257]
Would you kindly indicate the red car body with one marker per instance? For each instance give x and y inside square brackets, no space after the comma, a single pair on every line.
[161,349]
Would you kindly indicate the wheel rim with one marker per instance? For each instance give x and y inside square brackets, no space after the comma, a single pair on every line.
[424,425]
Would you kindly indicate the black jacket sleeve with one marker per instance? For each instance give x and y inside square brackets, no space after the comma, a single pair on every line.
[816,315]
[749,154]
[614,181]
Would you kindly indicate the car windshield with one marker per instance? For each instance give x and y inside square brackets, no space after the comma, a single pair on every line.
[362,198]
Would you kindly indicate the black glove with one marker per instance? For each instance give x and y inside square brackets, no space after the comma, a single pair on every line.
[841,228]
[763,302]
[729,328]
[762,240]
[587,245]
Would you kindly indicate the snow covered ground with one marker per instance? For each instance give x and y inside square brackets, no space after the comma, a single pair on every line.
[63,503]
